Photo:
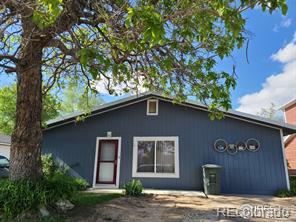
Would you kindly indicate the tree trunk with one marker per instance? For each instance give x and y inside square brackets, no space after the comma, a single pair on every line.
[27,136]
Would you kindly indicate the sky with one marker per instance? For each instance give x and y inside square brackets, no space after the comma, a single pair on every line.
[270,75]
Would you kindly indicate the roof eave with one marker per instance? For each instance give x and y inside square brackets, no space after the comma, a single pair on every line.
[288,104]
[287,128]
[99,108]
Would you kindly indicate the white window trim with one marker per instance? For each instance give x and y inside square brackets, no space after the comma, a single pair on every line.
[147,112]
[156,175]
[95,185]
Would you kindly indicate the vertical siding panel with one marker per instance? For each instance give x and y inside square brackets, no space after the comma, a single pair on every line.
[243,164]
[265,172]
[280,154]
[261,172]
[269,158]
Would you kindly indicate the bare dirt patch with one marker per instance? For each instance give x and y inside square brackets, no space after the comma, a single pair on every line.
[171,208]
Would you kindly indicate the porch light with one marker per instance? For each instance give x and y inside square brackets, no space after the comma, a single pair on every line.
[109,134]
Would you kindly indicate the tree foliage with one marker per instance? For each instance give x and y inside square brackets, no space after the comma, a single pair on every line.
[271,112]
[78,99]
[74,99]
[171,46]
[8,106]
[168,46]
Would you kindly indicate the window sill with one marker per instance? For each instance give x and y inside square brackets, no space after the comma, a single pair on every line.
[151,114]
[156,175]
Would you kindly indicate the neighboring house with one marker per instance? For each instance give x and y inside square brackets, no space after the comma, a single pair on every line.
[4,145]
[289,110]
[165,145]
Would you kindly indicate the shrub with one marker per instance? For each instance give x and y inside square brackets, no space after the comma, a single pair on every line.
[81,184]
[20,196]
[58,187]
[50,168]
[133,188]
[48,164]
[288,193]
[293,186]
[17,197]
[283,193]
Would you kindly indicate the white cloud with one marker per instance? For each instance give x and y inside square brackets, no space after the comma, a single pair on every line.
[278,88]
[286,22]
[105,85]
[286,54]
[275,28]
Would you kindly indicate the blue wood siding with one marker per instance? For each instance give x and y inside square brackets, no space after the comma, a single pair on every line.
[261,172]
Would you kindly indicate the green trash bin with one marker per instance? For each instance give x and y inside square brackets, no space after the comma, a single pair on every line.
[211,178]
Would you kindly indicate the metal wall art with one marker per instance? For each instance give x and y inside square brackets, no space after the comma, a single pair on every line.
[232,149]
[241,146]
[220,145]
[251,144]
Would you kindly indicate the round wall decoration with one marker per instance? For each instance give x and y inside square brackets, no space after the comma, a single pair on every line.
[232,149]
[253,145]
[220,145]
[241,146]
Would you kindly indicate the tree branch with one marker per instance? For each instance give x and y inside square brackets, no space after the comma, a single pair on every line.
[73,10]
[61,46]
[12,58]
[8,69]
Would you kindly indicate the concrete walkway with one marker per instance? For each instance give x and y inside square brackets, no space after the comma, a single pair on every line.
[152,191]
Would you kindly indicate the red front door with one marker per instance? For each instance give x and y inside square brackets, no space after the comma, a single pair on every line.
[107,162]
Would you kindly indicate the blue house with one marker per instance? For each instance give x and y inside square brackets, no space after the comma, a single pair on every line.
[165,145]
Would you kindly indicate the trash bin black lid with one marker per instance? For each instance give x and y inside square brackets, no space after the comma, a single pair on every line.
[211,166]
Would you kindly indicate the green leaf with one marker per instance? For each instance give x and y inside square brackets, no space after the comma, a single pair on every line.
[284,8]
[46,12]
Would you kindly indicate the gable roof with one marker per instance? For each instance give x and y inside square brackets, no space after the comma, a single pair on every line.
[4,139]
[287,105]
[287,128]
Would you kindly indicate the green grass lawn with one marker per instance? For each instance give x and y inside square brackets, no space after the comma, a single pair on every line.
[90,199]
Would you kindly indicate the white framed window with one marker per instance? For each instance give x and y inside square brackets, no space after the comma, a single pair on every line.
[152,107]
[156,157]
